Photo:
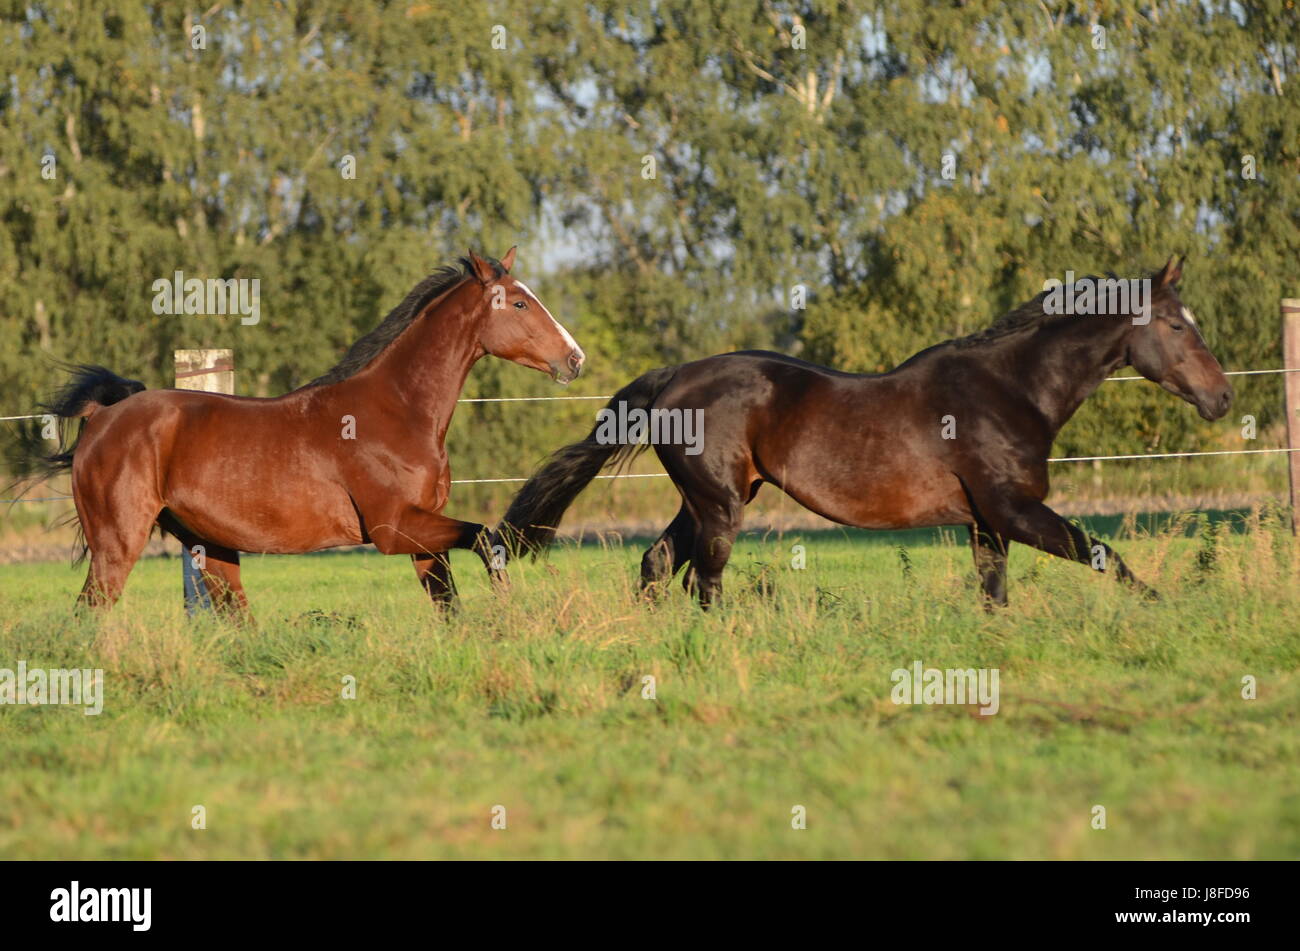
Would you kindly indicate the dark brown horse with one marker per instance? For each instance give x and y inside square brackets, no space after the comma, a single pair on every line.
[959,434]
[356,456]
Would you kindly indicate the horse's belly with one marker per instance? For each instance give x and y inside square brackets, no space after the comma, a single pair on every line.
[255,532]
[904,506]
[257,518]
[888,497]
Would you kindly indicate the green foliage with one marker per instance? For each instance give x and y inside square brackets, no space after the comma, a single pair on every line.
[794,144]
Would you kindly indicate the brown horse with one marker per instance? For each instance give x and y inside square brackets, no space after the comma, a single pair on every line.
[356,456]
[958,434]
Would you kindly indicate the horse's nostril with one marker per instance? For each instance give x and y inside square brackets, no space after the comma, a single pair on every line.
[575,361]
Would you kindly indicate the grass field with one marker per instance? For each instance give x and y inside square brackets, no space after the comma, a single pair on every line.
[781,698]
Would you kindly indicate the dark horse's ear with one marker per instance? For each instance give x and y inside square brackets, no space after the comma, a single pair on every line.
[508,259]
[483,270]
[1170,273]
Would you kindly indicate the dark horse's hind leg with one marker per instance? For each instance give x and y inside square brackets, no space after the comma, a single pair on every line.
[990,553]
[716,533]
[713,507]
[668,554]
[1017,518]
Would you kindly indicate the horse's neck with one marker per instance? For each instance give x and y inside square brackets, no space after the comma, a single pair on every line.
[426,366]
[1067,361]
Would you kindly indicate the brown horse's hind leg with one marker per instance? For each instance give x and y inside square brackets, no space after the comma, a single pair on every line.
[218,565]
[990,553]
[221,576]
[434,572]
[115,547]
[668,554]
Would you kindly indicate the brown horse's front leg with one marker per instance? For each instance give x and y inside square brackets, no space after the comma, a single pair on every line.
[428,534]
[434,572]
[1016,518]
[479,540]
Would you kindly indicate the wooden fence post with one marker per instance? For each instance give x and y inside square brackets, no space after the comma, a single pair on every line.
[1291,401]
[211,371]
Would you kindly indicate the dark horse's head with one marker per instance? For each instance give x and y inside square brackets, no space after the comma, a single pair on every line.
[1168,349]
[518,327]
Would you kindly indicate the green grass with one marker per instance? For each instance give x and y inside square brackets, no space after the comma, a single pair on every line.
[780,698]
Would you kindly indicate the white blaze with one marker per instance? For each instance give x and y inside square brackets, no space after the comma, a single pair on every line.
[564,334]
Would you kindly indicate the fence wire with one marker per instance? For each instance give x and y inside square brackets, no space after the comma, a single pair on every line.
[664,475]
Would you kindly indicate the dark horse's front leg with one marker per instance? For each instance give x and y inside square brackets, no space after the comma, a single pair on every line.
[1011,516]
[990,553]
[670,552]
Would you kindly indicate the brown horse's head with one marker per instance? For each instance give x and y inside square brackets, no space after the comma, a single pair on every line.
[1168,349]
[518,327]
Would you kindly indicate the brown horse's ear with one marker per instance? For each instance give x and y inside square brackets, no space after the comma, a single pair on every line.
[508,259]
[484,271]
[1170,273]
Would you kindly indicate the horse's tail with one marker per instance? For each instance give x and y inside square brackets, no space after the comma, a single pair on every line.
[530,523]
[90,389]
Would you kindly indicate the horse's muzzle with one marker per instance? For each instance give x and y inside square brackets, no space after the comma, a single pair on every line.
[1215,405]
[568,370]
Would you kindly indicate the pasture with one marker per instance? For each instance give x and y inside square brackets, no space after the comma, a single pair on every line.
[779,698]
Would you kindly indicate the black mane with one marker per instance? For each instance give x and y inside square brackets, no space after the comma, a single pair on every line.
[399,318]
[1026,316]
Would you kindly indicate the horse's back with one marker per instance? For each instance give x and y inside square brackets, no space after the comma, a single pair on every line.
[861,449]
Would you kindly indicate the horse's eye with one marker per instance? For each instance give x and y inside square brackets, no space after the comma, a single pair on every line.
[520,304]
[1176,328]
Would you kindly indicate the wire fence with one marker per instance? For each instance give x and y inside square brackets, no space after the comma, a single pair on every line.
[664,475]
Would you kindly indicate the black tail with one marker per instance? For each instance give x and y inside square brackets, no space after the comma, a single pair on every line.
[534,515]
[91,387]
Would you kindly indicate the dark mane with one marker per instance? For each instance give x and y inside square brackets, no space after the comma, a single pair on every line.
[1026,316]
[399,318]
